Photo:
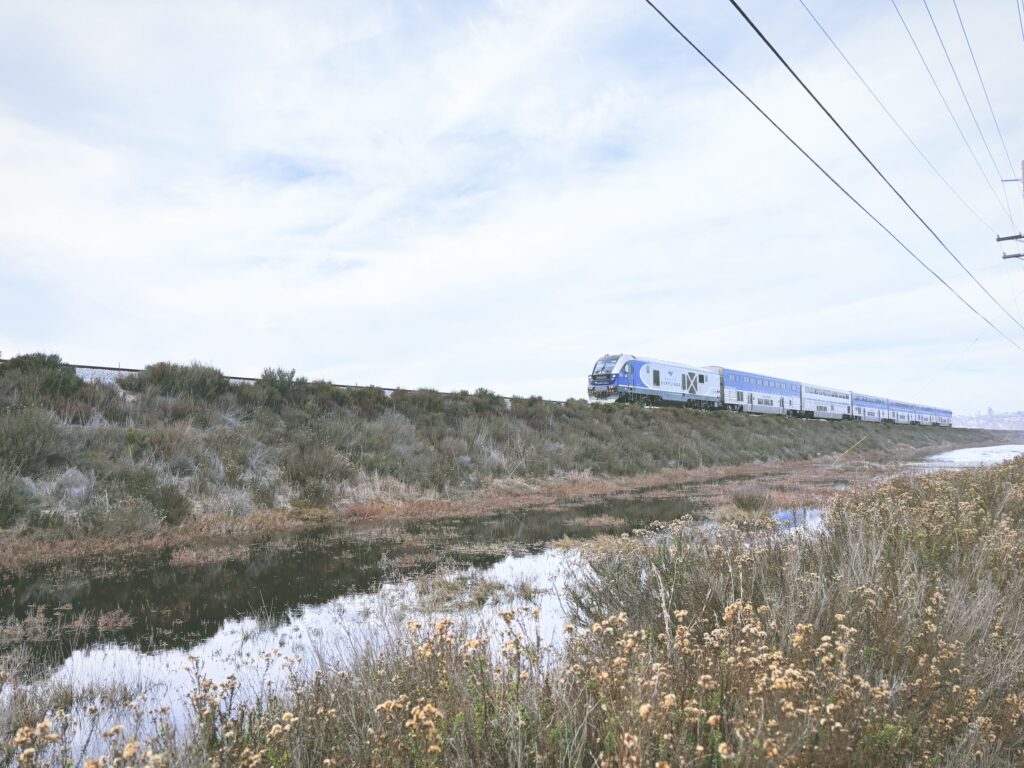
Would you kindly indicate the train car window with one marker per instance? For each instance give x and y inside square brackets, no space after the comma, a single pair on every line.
[657,378]
[700,378]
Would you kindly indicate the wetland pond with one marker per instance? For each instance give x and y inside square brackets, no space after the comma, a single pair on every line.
[145,628]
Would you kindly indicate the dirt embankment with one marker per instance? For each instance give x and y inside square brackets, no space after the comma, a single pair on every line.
[180,456]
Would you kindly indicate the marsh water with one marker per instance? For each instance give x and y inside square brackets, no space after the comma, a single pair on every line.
[166,601]
[145,626]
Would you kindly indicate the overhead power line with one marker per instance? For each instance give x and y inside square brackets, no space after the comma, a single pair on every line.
[981,80]
[869,161]
[949,111]
[967,101]
[1013,289]
[896,122]
[826,174]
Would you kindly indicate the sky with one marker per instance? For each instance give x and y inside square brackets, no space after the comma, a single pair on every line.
[494,194]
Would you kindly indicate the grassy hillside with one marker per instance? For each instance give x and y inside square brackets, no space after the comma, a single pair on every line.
[177,442]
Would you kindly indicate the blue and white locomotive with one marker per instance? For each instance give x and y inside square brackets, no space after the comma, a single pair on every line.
[628,378]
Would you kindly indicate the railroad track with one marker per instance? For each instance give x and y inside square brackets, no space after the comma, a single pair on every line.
[110,375]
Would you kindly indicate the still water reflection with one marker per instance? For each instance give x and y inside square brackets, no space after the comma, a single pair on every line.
[170,601]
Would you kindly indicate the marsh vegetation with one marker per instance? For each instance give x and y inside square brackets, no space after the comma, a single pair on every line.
[176,443]
[890,635]
[893,635]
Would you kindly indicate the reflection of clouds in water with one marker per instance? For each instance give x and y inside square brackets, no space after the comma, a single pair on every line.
[805,519]
[330,634]
[985,456]
[179,600]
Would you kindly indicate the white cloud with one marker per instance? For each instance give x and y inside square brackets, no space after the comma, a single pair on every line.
[462,195]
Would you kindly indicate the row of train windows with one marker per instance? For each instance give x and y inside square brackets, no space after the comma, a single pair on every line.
[761,382]
[827,392]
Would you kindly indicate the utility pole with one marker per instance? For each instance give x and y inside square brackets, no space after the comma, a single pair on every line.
[1019,236]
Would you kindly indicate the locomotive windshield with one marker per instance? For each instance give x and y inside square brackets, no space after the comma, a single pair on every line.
[605,364]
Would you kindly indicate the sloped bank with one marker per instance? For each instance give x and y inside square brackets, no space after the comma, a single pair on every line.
[180,453]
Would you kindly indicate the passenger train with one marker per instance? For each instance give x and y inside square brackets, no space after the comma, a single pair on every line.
[627,378]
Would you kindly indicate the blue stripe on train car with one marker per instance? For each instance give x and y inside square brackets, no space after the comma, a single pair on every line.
[758,382]
[671,396]
[870,401]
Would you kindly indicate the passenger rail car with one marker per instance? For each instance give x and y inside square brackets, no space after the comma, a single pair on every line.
[745,391]
[628,378]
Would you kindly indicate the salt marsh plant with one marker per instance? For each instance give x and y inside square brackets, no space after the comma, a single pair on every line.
[894,636]
[177,441]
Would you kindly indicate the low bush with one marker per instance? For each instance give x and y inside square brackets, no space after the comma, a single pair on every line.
[753,499]
[196,380]
[31,439]
[134,483]
[275,387]
[316,469]
[40,377]
[176,446]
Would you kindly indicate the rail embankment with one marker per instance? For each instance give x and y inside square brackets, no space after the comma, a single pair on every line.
[181,451]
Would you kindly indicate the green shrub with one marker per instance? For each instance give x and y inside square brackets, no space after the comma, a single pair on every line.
[305,462]
[39,375]
[142,483]
[366,401]
[316,469]
[176,446]
[30,439]
[418,401]
[196,380]
[280,385]
[485,401]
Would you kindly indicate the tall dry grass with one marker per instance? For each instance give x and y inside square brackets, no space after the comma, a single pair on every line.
[893,636]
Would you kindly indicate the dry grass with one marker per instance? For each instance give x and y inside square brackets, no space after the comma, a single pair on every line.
[895,636]
[204,538]
[450,588]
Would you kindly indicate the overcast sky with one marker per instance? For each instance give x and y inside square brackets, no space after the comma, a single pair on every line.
[462,195]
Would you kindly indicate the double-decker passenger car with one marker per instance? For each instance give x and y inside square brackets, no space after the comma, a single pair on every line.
[756,393]
[628,378]
[869,408]
[825,402]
